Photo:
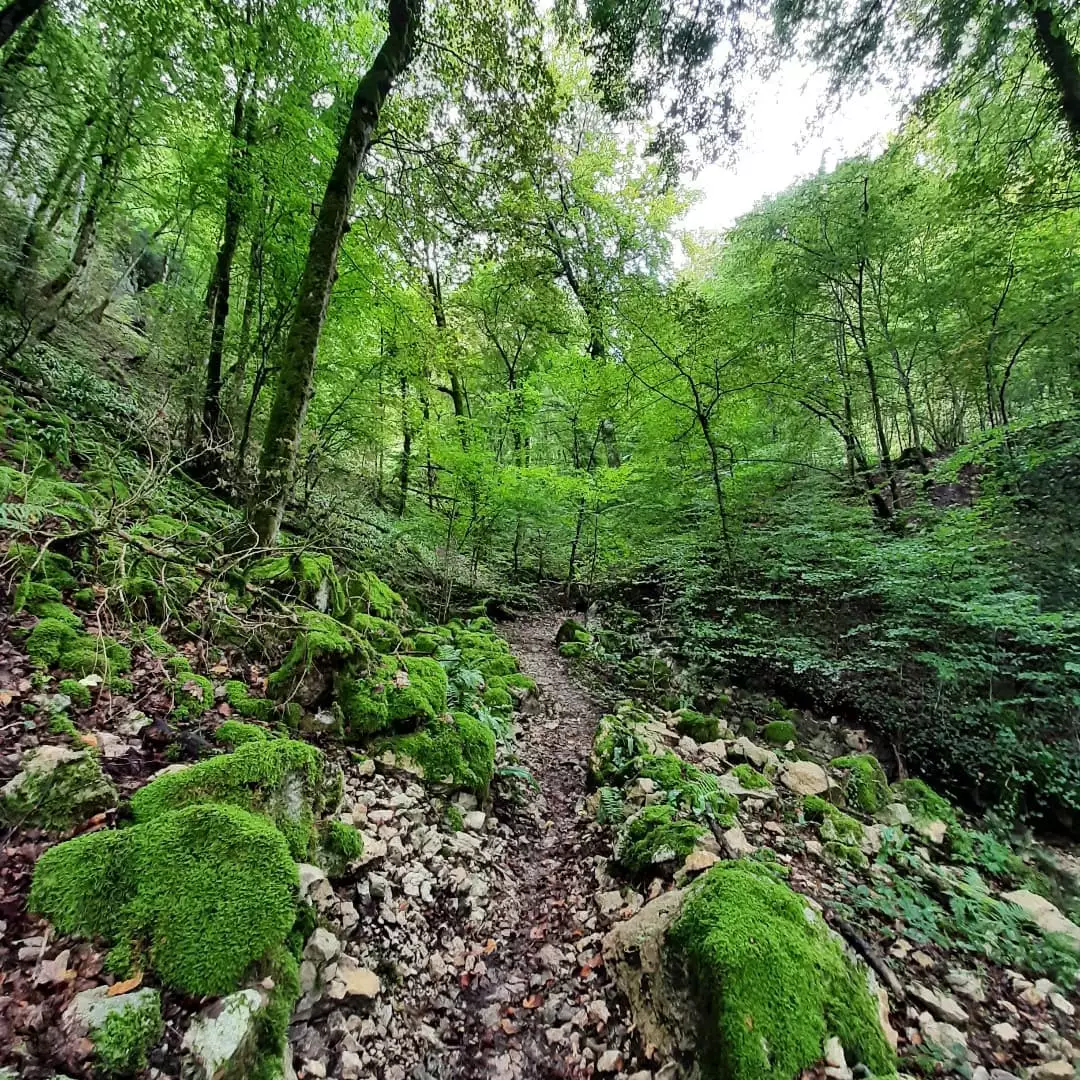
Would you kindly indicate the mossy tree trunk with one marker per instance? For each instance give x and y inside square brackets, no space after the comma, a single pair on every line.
[14,15]
[277,460]
[1061,59]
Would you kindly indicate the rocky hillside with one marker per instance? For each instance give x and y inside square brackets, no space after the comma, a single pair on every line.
[263,818]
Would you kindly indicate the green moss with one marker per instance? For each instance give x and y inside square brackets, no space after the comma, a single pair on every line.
[126,1037]
[59,797]
[867,786]
[192,696]
[83,599]
[749,777]
[371,595]
[272,1023]
[150,637]
[242,702]
[571,650]
[836,828]
[616,747]
[234,733]
[61,724]
[654,835]
[924,803]
[779,732]
[30,595]
[698,726]
[517,681]
[423,644]
[771,984]
[48,566]
[56,642]
[280,779]
[178,664]
[454,818]
[79,694]
[311,579]
[691,788]
[199,895]
[847,853]
[572,631]
[118,684]
[425,693]
[339,845]
[322,648]
[458,751]
[495,697]
[383,635]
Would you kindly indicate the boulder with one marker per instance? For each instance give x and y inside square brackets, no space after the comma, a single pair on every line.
[1047,917]
[758,756]
[222,1037]
[805,778]
[56,788]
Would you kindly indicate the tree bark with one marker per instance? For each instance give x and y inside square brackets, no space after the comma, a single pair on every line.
[14,15]
[209,462]
[17,59]
[277,460]
[1061,59]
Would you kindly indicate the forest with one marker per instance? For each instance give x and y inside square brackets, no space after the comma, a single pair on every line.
[343,341]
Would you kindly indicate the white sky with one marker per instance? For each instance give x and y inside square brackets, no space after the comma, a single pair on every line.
[785,140]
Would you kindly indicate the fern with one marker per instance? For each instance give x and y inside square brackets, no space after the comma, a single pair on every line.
[610,809]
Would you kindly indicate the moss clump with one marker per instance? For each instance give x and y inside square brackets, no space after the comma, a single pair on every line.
[48,566]
[310,579]
[339,845]
[698,726]
[199,894]
[424,692]
[383,635]
[867,786]
[272,1022]
[57,642]
[118,684]
[151,638]
[423,644]
[56,789]
[616,747]
[497,697]
[517,681]
[772,985]
[61,724]
[79,694]
[924,803]
[689,786]
[123,1041]
[370,594]
[779,732]
[842,834]
[192,696]
[654,836]
[30,595]
[572,631]
[486,653]
[281,779]
[321,650]
[242,702]
[749,777]
[83,599]
[234,733]
[458,751]
[571,650]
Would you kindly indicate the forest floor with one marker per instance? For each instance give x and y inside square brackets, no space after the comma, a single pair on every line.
[507,978]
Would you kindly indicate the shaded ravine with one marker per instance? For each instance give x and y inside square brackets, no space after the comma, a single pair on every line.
[545,1008]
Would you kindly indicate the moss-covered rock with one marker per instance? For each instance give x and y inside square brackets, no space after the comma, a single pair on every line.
[497,697]
[192,696]
[369,594]
[61,643]
[123,1041]
[749,777]
[199,895]
[866,785]
[616,746]
[771,983]
[842,835]
[323,651]
[572,650]
[281,779]
[688,786]
[422,643]
[383,634]
[57,788]
[572,631]
[309,578]
[654,836]
[458,751]
[234,733]
[77,691]
[339,845]
[698,726]
[779,732]
[244,703]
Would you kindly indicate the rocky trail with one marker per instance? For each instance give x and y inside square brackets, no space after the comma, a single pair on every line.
[486,941]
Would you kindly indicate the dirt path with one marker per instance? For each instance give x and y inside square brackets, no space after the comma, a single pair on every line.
[545,1008]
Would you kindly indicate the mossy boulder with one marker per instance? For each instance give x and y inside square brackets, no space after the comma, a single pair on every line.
[383,634]
[572,650]
[485,652]
[57,788]
[697,726]
[655,836]
[234,733]
[369,594]
[244,703]
[842,835]
[339,845]
[688,786]
[457,750]
[616,746]
[779,732]
[198,895]
[62,643]
[570,631]
[284,780]
[771,984]
[308,578]
[323,651]
[122,1029]
[865,784]
[401,692]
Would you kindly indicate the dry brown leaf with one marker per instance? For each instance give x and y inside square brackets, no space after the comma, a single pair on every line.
[6,697]
[533,1001]
[220,669]
[88,738]
[224,708]
[127,984]
[509,1027]
[490,946]
[537,933]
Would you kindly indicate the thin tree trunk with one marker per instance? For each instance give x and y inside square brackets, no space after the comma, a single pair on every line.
[209,463]
[277,461]
[17,59]
[1061,59]
[406,447]
[14,15]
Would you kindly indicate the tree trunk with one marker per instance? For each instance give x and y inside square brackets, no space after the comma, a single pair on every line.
[406,448]
[208,465]
[14,15]
[1061,59]
[277,461]
[16,60]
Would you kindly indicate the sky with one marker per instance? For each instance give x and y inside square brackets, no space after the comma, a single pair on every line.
[785,140]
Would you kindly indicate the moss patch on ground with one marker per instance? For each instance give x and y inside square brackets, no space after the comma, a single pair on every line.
[772,985]
[199,894]
[62,643]
[866,785]
[458,751]
[653,836]
[698,726]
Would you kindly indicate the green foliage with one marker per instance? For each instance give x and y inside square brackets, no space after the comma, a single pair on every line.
[192,696]
[123,1041]
[311,579]
[242,702]
[749,777]
[699,727]
[609,807]
[234,733]
[79,694]
[866,787]
[58,642]
[779,732]
[199,894]
[339,845]
[771,982]
[688,787]
[458,751]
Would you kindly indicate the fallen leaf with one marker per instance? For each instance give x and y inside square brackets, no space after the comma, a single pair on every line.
[533,1001]
[220,669]
[490,947]
[224,708]
[6,697]
[125,985]
[88,738]
[537,933]
[509,1027]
